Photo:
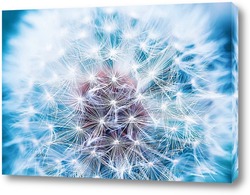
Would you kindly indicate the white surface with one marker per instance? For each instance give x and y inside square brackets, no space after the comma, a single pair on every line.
[31,185]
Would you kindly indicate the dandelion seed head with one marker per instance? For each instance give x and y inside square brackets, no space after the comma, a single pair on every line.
[179,94]
[93,153]
[78,128]
[113,102]
[136,142]
[92,78]
[177,61]
[131,118]
[116,142]
[112,93]
[49,97]
[152,74]
[73,161]
[114,78]
[140,96]
[173,129]
[135,67]
[175,162]
[150,164]
[101,121]
[50,127]
[80,99]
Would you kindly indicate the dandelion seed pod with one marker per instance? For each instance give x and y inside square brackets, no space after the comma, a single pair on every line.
[141,93]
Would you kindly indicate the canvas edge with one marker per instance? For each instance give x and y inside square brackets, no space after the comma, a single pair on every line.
[235,108]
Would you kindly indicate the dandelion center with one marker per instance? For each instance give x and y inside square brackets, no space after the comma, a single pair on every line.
[112,109]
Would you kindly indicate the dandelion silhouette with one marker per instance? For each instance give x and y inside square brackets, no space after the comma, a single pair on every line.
[119,94]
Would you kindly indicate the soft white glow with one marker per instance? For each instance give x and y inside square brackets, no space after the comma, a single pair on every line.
[61,52]
[92,77]
[31,110]
[129,35]
[113,52]
[136,142]
[131,118]
[164,106]
[73,161]
[114,79]
[140,96]
[113,102]
[93,153]
[80,99]
[83,34]
[109,28]
[101,121]
[150,164]
[173,129]
[135,67]
[49,97]
[116,142]
[175,162]
[50,127]
[152,74]
[94,50]
[78,128]
[86,20]
[48,47]
[179,94]
[143,46]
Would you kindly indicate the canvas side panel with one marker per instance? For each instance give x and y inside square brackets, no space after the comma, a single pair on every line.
[234,34]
